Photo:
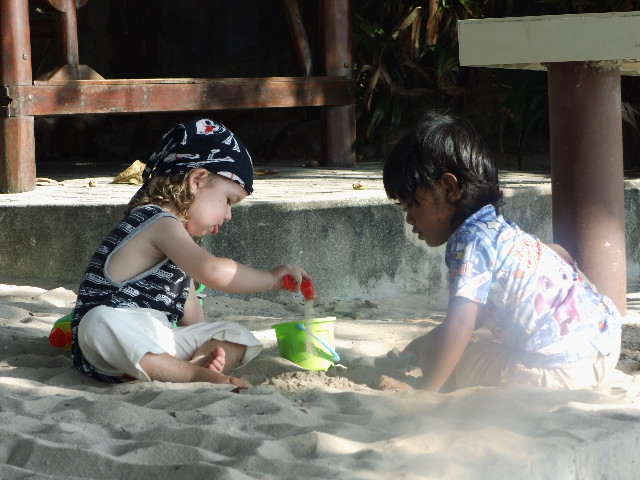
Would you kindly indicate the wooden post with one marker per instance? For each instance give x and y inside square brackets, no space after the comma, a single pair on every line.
[291,11]
[339,130]
[17,146]
[68,38]
[587,174]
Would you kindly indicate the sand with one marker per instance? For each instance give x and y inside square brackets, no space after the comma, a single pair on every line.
[295,424]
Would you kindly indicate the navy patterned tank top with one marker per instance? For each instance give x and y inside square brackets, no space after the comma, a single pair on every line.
[164,287]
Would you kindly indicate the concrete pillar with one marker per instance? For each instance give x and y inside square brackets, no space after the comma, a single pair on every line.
[587,175]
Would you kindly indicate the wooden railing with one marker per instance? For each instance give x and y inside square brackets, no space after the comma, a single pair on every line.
[73,88]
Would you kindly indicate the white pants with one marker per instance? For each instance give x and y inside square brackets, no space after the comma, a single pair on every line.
[114,340]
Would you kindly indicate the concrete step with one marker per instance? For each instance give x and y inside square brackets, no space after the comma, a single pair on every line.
[355,243]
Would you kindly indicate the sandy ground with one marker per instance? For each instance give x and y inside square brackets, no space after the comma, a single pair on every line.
[291,423]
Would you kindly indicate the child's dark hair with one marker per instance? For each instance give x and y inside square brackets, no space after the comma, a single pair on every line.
[443,143]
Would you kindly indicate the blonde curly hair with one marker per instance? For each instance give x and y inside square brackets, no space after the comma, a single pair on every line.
[167,191]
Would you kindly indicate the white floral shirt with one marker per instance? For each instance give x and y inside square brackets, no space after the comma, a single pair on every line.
[533,300]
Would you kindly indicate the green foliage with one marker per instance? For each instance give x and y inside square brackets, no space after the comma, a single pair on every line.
[523,108]
[406,60]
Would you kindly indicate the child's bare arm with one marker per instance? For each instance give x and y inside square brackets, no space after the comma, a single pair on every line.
[217,272]
[452,338]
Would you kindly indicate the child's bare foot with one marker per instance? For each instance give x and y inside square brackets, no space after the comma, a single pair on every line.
[213,361]
[219,355]
[217,360]
[204,368]
[211,374]
[237,382]
[388,383]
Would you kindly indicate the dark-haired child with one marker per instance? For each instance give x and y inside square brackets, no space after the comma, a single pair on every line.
[551,326]
[137,315]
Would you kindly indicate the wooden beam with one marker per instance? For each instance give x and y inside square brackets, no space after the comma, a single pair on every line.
[68,38]
[17,146]
[339,122]
[165,95]
[533,42]
[17,155]
[299,37]
[60,5]
[15,67]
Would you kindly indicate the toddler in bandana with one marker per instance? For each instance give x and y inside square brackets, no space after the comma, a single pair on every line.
[137,315]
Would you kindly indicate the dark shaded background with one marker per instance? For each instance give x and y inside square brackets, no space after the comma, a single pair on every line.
[240,38]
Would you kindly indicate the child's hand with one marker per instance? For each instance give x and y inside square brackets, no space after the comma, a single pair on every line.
[296,273]
[388,383]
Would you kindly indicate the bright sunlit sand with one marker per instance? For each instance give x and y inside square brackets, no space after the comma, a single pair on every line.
[291,423]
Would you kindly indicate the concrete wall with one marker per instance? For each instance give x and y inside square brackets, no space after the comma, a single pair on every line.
[352,251]
[52,241]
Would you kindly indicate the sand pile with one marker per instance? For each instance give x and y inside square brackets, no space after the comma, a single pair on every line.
[291,423]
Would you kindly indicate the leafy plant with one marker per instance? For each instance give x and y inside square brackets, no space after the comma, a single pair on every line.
[524,108]
[405,60]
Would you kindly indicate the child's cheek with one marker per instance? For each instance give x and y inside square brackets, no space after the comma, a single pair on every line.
[192,230]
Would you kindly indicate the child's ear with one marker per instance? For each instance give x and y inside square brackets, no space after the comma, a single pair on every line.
[197,178]
[450,187]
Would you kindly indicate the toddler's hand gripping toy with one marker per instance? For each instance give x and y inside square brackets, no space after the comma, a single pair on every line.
[60,335]
[306,287]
